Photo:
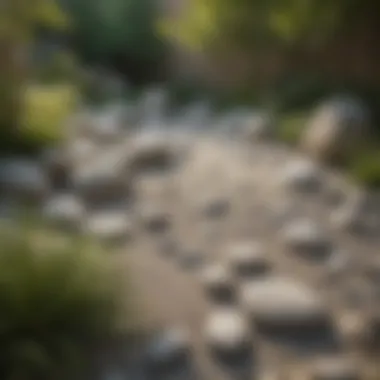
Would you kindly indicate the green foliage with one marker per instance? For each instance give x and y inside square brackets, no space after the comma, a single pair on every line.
[365,167]
[42,116]
[60,68]
[124,30]
[223,24]
[291,126]
[58,296]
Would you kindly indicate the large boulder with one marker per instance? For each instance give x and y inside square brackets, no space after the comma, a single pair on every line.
[337,129]
[280,304]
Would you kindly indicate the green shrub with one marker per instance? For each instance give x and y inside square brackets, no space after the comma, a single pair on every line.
[58,297]
[365,168]
[291,126]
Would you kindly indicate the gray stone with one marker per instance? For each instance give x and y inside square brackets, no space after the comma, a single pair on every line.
[217,281]
[152,152]
[192,258]
[24,180]
[337,129]
[359,214]
[103,179]
[248,259]
[226,331]
[215,208]
[155,219]
[302,176]
[168,346]
[307,239]
[64,211]
[282,303]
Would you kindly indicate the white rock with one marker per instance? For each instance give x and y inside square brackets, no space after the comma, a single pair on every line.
[111,226]
[65,211]
[247,258]
[227,331]
[168,346]
[282,303]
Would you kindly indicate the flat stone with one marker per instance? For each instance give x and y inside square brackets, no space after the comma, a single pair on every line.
[302,176]
[64,211]
[248,259]
[280,303]
[109,226]
[227,332]
[308,239]
[152,152]
[335,369]
[168,346]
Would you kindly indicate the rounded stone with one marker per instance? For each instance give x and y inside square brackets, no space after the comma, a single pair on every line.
[152,152]
[64,211]
[168,346]
[248,259]
[302,176]
[307,238]
[335,369]
[282,303]
[97,183]
[217,281]
[228,332]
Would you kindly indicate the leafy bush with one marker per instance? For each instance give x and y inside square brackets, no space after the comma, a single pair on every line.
[365,168]
[45,108]
[291,127]
[58,297]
